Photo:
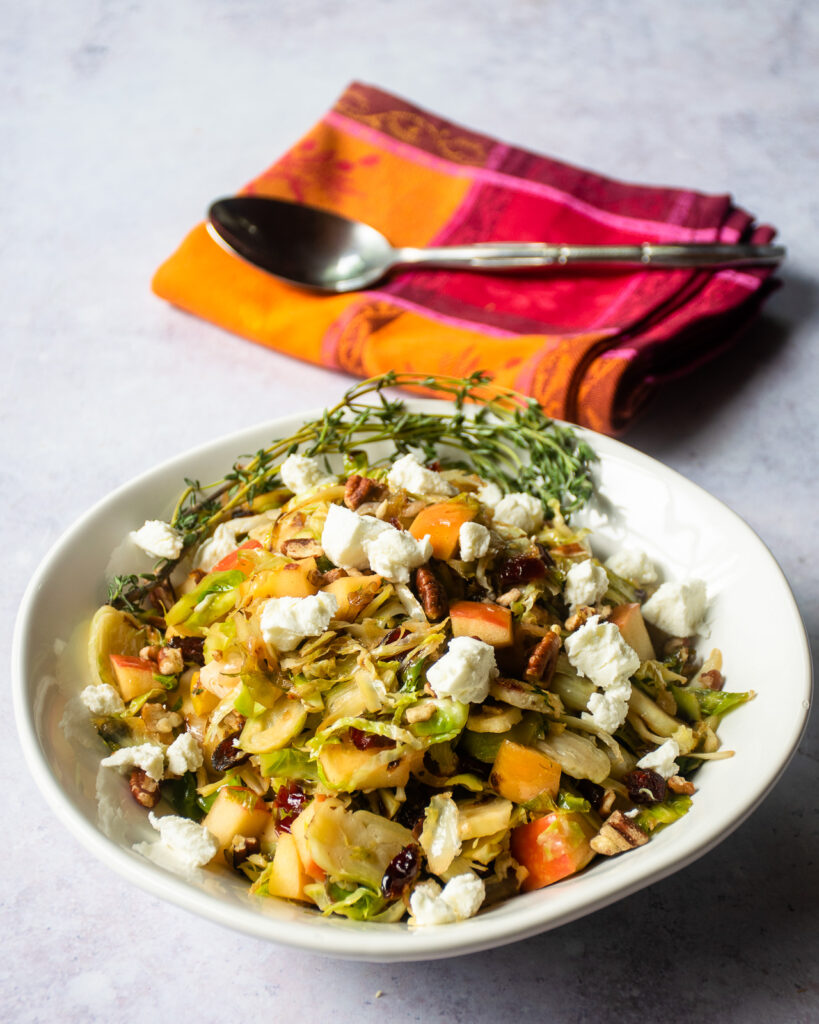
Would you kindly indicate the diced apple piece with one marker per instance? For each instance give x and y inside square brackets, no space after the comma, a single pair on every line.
[346,768]
[112,632]
[275,727]
[553,847]
[442,522]
[354,845]
[488,622]
[202,701]
[236,811]
[483,819]
[287,877]
[629,620]
[522,773]
[353,594]
[290,580]
[134,676]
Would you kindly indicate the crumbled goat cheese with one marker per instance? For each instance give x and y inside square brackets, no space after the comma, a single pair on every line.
[632,565]
[465,671]
[184,754]
[608,710]
[193,844]
[150,757]
[460,899]
[345,534]
[598,651]
[158,539]
[677,608]
[286,621]
[490,494]
[102,700]
[662,760]
[586,583]
[522,510]
[392,553]
[473,540]
[300,474]
[408,474]
[440,840]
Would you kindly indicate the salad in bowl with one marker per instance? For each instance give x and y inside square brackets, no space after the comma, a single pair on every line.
[378,671]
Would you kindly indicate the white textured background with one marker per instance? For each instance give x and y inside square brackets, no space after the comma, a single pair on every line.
[119,122]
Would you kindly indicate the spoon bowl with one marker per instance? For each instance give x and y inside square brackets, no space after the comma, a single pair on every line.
[326,252]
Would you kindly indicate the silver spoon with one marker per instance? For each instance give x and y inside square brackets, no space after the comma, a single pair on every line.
[326,252]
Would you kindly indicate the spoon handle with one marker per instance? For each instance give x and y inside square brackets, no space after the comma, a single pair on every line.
[518,255]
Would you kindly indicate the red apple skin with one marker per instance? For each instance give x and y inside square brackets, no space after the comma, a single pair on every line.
[487,622]
[134,676]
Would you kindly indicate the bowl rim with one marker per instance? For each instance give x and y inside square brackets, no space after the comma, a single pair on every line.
[359,940]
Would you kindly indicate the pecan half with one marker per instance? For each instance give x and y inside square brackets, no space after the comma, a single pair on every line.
[359,489]
[144,789]
[677,784]
[431,594]
[301,547]
[618,834]
[543,660]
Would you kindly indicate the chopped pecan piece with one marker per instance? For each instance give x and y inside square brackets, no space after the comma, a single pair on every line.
[144,789]
[359,489]
[509,598]
[301,547]
[580,617]
[332,575]
[711,680]
[241,847]
[431,594]
[420,712]
[618,834]
[169,661]
[677,784]
[543,660]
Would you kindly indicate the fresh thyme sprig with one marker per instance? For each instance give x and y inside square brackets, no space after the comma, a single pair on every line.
[508,441]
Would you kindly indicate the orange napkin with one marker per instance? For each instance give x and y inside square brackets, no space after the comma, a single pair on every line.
[591,346]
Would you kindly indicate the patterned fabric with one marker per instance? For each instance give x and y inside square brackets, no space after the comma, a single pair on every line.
[592,346]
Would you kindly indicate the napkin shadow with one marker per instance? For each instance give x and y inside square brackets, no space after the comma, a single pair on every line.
[699,398]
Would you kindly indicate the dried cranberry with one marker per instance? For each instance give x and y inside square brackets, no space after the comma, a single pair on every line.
[413,808]
[590,791]
[370,740]
[401,872]
[192,648]
[645,786]
[228,755]
[521,569]
[289,804]
[395,634]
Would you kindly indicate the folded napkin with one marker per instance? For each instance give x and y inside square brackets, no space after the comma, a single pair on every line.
[590,345]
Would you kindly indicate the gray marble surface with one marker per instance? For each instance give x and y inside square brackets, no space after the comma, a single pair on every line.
[120,121]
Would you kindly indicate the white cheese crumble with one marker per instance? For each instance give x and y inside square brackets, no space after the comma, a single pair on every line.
[440,840]
[677,608]
[586,583]
[465,671]
[184,754]
[408,474]
[632,565]
[662,760]
[522,510]
[150,757]
[460,899]
[392,553]
[158,539]
[102,700]
[286,621]
[345,534]
[193,844]
[598,651]
[300,474]
[490,494]
[473,540]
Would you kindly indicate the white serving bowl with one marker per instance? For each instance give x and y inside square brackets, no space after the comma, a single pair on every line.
[753,619]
